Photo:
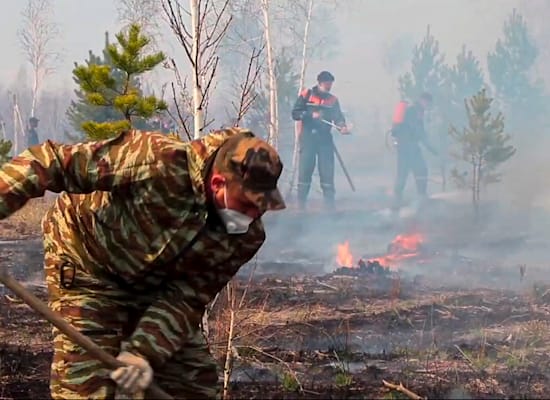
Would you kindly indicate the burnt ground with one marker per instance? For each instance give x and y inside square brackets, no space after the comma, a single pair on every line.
[336,336]
[449,327]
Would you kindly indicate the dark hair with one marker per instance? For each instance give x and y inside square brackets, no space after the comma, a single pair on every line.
[325,76]
[426,97]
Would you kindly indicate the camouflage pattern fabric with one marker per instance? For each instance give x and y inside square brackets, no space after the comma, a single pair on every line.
[109,318]
[131,230]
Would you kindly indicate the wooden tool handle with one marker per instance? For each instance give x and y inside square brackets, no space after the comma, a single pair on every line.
[39,306]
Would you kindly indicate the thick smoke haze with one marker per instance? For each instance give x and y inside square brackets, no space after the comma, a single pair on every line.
[374,44]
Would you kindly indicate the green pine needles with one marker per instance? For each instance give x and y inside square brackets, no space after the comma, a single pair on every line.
[114,85]
[482,144]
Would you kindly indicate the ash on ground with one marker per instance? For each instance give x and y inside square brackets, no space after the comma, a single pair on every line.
[364,268]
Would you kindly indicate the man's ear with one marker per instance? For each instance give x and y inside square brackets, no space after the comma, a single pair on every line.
[217,181]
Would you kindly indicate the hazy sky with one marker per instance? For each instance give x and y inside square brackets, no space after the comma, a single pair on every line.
[82,24]
[367,30]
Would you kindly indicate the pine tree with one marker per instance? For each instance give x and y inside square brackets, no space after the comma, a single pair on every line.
[463,80]
[482,144]
[428,74]
[509,71]
[427,70]
[110,98]
[80,110]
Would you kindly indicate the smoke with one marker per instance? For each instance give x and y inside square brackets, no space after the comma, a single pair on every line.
[376,43]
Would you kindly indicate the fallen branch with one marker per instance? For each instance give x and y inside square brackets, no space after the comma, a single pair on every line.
[402,389]
[327,285]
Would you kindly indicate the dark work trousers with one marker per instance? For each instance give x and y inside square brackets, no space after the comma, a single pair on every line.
[316,147]
[410,159]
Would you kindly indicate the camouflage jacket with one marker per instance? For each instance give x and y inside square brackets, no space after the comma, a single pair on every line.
[133,213]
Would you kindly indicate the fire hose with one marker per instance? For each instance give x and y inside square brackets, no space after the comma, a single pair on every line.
[153,391]
[338,156]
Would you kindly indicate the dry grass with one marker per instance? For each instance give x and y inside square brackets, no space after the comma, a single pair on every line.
[25,223]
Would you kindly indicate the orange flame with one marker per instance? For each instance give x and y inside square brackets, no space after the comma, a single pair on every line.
[401,248]
[344,257]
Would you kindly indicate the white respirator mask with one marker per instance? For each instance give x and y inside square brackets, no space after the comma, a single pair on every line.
[235,222]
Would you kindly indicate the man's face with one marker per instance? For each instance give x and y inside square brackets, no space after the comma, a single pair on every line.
[227,194]
[325,86]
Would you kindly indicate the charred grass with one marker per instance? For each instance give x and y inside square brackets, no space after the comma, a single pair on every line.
[26,222]
[340,337]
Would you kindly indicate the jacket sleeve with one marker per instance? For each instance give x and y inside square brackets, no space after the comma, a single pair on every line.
[413,123]
[77,168]
[338,116]
[174,318]
[300,111]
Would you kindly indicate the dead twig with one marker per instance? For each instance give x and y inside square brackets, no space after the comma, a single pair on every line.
[402,389]
[184,97]
[327,285]
[248,94]
[468,359]
[282,362]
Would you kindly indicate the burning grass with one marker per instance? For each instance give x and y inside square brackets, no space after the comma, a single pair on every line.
[402,248]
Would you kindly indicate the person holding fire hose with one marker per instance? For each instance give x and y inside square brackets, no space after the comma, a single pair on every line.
[408,133]
[318,111]
[146,231]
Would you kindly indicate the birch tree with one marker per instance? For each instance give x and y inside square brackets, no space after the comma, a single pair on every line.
[247,88]
[298,124]
[208,24]
[36,37]
[144,13]
[273,98]
[313,43]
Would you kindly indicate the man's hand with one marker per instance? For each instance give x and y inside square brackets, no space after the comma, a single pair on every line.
[136,376]
[344,130]
[316,115]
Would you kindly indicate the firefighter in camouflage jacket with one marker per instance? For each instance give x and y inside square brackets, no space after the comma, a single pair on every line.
[146,231]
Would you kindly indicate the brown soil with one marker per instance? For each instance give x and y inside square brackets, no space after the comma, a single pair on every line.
[340,337]
[25,223]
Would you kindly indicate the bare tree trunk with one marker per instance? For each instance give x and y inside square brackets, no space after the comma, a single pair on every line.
[209,23]
[15,124]
[3,126]
[36,37]
[35,87]
[273,106]
[301,84]
[479,178]
[19,133]
[228,365]
[475,185]
[198,114]
[304,45]
[474,179]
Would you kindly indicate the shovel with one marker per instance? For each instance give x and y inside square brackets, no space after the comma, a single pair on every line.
[153,391]
[339,157]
